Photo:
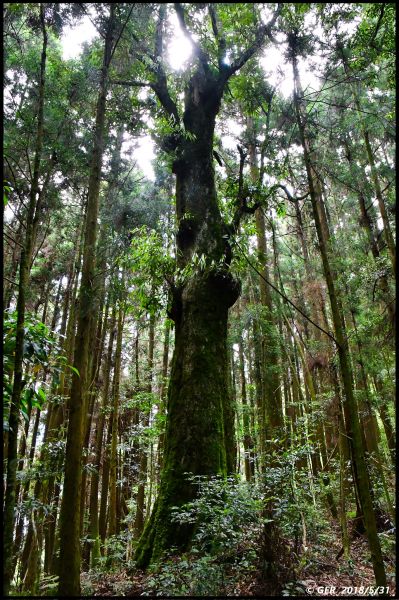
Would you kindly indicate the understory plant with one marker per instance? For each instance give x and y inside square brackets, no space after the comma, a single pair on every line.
[226,514]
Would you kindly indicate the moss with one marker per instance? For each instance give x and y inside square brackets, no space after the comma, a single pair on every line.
[195,438]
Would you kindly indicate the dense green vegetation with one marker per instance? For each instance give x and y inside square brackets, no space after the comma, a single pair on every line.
[199,362]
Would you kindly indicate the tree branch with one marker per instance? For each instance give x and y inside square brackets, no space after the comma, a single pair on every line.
[284,296]
[202,55]
[262,31]
[242,200]
[290,197]
[160,86]
[130,83]
[220,39]
[12,239]
[84,9]
[120,33]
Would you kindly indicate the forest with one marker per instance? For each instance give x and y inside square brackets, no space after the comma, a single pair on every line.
[199,300]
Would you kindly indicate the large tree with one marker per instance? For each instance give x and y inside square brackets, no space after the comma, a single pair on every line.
[199,425]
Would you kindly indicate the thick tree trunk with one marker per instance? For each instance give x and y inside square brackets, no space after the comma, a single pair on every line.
[195,429]
[194,440]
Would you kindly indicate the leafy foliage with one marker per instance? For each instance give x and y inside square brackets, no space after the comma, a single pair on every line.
[42,355]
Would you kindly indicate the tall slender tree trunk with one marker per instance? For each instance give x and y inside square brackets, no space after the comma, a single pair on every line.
[24,272]
[249,462]
[368,224]
[140,502]
[11,271]
[374,174]
[163,389]
[69,566]
[115,421]
[386,419]
[353,424]
[95,478]
[103,515]
[272,401]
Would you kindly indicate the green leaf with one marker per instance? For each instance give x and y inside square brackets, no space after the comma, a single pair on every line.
[74,369]
[41,395]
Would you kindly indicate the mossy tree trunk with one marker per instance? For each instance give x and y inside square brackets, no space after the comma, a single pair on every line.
[195,439]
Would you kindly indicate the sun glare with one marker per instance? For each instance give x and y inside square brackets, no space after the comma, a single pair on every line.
[179,48]
[73,38]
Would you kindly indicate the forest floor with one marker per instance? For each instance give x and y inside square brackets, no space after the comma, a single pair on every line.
[319,573]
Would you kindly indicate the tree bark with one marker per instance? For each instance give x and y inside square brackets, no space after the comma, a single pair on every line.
[95,478]
[249,462]
[24,273]
[272,402]
[163,389]
[69,583]
[195,439]
[353,424]
[140,501]
[115,421]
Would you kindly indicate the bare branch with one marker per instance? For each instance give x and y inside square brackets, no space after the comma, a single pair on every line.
[242,200]
[12,239]
[84,9]
[290,197]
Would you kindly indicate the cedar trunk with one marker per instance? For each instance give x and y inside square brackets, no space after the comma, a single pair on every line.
[24,276]
[70,508]
[350,405]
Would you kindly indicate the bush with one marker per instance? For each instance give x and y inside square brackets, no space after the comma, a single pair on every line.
[223,550]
